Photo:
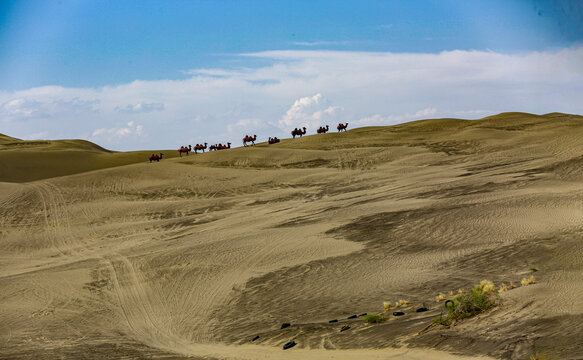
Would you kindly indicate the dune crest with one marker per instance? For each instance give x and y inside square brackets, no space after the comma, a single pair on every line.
[196,256]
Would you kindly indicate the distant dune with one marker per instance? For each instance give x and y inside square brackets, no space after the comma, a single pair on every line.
[29,160]
[105,255]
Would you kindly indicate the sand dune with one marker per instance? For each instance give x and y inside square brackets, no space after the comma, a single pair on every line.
[194,256]
[26,160]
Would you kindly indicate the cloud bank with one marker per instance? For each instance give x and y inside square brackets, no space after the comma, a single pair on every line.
[299,88]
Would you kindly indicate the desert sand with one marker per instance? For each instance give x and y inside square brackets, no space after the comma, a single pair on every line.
[105,255]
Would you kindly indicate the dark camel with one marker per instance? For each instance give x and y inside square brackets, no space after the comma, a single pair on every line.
[156,157]
[248,138]
[184,149]
[298,132]
[199,147]
[323,130]
[274,140]
[342,127]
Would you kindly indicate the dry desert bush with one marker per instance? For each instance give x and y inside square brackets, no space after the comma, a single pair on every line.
[480,299]
[529,281]
[401,303]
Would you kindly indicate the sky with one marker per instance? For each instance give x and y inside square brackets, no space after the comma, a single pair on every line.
[132,75]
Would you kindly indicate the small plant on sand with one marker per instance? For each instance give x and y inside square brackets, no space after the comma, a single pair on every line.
[440,297]
[530,280]
[533,269]
[505,287]
[485,287]
[401,303]
[374,318]
[538,356]
[481,298]
[386,306]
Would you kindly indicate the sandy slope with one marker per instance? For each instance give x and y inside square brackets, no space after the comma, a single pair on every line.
[194,257]
[26,160]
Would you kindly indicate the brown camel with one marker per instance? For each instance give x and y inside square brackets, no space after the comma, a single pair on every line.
[323,130]
[274,140]
[213,147]
[184,149]
[248,138]
[220,146]
[199,147]
[342,127]
[156,157]
[298,132]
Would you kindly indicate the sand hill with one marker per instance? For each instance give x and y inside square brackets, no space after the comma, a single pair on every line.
[193,257]
[26,160]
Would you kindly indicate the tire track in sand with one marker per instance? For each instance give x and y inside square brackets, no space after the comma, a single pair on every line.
[135,300]
[146,325]
[56,218]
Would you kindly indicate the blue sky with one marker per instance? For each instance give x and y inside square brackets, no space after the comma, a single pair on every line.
[120,72]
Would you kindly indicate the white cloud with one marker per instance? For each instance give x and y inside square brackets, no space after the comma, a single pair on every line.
[43,135]
[117,133]
[319,43]
[244,126]
[21,108]
[298,111]
[140,107]
[77,104]
[378,119]
[310,112]
[300,88]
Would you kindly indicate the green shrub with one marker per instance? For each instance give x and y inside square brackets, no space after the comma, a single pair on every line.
[480,299]
[374,318]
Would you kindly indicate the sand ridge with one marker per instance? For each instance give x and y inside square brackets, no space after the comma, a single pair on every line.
[195,256]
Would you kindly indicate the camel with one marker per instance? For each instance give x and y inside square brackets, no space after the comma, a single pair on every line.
[184,149]
[275,140]
[156,157]
[223,147]
[342,127]
[298,132]
[213,147]
[248,138]
[199,147]
[323,130]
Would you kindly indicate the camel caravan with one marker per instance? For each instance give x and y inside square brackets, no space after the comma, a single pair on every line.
[247,139]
